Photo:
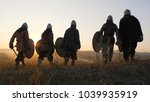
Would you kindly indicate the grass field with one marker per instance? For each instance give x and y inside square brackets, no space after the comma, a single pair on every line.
[87,71]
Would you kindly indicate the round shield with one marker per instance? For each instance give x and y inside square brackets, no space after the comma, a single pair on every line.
[97,42]
[38,47]
[58,47]
[29,51]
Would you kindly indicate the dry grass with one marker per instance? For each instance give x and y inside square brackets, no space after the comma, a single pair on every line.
[85,72]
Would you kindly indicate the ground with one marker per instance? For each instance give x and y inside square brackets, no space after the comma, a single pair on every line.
[87,71]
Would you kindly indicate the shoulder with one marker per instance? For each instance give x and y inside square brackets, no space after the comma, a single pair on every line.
[68,29]
[77,30]
[104,25]
[115,26]
[122,19]
[133,17]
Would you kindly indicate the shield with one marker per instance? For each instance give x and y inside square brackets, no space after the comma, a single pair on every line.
[97,42]
[29,51]
[58,47]
[38,47]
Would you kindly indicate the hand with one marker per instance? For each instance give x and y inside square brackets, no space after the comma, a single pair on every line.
[140,38]
[11,46]
[78,46]
[117,43]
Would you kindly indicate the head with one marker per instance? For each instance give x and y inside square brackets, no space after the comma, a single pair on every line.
[49,26]
[127,12]
[73,23]
[109,18]
[25,25]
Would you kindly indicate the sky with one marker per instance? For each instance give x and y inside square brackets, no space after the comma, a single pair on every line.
[90,15]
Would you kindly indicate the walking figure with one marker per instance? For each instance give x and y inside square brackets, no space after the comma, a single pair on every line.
[107,31]
[71,43]
[22,38]
[130,33]
[47,45]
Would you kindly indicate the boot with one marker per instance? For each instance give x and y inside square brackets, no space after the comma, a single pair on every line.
[66,61]
[39,61]
[50,59]
[105,61]
[17,61]
[110,59]
[23,63]
[72,62]
[17,64]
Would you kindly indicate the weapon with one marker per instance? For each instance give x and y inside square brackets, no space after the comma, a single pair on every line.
[97,42]
[14,52]
[58,44]
[29,51]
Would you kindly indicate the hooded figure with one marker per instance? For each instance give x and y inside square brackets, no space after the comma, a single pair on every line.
[47,45]
[22,38]
[130,33]
[71,43]
[107,31]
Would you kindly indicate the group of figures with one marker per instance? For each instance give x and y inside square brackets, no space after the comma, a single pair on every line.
[65,47]
[128,35]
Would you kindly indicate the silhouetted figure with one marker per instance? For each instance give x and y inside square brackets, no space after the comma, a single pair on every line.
[47,45]
[22,38]
[130,33]
[71,43]
[108,40]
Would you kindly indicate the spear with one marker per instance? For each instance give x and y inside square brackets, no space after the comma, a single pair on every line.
[14,52]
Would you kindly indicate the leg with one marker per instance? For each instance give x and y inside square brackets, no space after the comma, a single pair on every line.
[111,51]
[97,57]
[17,61]
[66,59]
[50,56]
[39,61]
[72,62]
[73,57]
[125,49]
[23,63]
[132,50]
[40,58]
[105,53]
[20,58]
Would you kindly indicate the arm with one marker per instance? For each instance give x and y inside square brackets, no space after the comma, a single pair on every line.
[51,40]
[119,42]
[140,33]
[102,30]
[78,40]
[12,40]
[26,36]
[117,34]
[121,29]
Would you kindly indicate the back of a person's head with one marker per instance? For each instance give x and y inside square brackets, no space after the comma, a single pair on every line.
[73,24]
[49,26]
[127,12]
[109,18]
[25,25]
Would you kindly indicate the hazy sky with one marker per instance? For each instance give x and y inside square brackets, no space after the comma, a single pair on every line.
[90,15]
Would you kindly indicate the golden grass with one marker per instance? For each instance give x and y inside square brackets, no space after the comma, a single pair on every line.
[87,71]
